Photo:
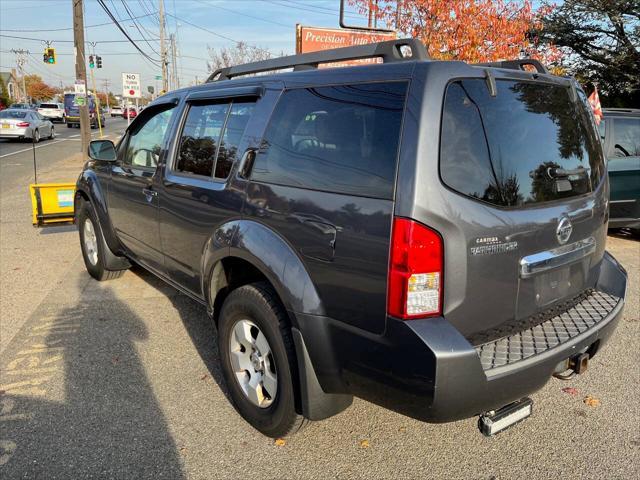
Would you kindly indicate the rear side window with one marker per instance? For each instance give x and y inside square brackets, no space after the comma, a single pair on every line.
[200,138]
[626,137]
[528,144]
[342,139]
[49,105]
[210,138]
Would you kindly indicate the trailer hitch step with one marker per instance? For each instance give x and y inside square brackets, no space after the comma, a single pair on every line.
[495,421]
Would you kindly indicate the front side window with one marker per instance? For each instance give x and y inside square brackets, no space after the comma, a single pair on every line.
[626,137]
[341,139]
[146,140]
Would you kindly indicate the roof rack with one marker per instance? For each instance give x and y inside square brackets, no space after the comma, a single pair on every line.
[390,51]
[516,64]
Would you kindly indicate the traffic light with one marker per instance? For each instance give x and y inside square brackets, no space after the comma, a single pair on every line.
[98,61]
[51,54]
[91,64]
[45,57]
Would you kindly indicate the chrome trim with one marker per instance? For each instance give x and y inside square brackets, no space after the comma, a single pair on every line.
[549,259]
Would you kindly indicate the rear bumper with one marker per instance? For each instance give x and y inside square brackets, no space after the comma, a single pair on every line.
[15,133]
[427,370]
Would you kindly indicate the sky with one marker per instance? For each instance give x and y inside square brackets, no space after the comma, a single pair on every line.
[268,24]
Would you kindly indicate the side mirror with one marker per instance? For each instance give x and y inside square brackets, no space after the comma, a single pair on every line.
[103,150]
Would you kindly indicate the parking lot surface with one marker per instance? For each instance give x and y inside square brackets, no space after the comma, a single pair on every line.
[120,379]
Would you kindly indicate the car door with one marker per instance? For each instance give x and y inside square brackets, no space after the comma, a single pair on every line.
[198,191]
[133,198]
[623,155]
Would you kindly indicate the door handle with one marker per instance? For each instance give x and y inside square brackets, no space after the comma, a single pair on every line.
[246,163]
[149,193]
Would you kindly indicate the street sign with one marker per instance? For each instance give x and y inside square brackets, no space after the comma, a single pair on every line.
[313,39]
[158,77]
[79,87]
[131,85]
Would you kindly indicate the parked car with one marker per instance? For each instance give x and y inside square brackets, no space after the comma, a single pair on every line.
[440,256]
[23,124]
[72,111]
[53,111]
[22,106]
[129,113]
[116,111]
[620,133]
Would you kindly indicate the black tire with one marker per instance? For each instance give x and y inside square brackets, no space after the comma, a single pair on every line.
[96,269]
[52,135]
[258,303]
[69,125]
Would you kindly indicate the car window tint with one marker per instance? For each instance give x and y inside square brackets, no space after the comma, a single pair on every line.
[145,141]
[234,128]
[542,146]
[626,137]
[342,139]
[200,138]
[602,128]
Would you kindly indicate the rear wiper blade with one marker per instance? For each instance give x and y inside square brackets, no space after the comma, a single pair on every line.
[562,172]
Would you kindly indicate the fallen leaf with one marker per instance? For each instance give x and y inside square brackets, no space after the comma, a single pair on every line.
[402,429]
[570,390]
[591,401]
[2,392]
[183,450]
[204,377]
[17,268]
[364,443]
[280,442]
[115,360]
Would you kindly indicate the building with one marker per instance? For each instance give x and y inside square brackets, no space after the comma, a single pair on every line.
[11,82]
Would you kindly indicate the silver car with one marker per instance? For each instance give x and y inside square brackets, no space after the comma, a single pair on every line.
[21,124]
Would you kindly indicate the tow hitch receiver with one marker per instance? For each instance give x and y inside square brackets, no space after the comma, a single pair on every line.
[495,421]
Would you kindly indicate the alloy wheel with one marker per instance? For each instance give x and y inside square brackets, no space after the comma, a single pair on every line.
[90,241]
[253,363]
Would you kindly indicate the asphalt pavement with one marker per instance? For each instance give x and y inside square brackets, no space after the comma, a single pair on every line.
[120,379]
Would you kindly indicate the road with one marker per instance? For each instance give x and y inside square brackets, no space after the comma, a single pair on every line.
[120,380]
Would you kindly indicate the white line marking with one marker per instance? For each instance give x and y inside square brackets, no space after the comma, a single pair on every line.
[30,148]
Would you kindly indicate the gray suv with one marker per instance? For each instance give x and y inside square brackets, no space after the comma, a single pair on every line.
[426,235]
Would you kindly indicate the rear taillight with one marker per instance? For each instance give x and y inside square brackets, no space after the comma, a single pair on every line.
[22,124]
[414,287]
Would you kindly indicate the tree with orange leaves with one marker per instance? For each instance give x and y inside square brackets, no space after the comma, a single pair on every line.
[469,30]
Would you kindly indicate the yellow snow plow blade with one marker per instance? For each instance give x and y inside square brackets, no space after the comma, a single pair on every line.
[52,203]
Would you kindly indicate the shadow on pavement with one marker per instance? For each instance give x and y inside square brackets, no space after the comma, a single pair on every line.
[103,420]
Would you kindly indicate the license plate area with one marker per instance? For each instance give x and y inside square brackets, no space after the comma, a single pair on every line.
[494,422]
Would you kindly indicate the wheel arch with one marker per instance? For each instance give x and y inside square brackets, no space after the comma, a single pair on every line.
[245,251]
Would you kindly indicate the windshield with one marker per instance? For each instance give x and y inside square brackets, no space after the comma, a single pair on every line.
[528,144]
[12,114]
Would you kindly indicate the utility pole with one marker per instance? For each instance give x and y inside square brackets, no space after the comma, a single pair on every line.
[105,83]
[20,61]
[174,69]
[81,72]
[163,50]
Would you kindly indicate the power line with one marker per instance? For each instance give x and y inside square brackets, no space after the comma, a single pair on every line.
[135,24]
[68,28]
[244,14]
[64,41]
[215,33]
[108,12]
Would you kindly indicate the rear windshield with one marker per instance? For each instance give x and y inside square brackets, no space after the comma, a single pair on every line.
[12,114]
[528,144]
[49,105]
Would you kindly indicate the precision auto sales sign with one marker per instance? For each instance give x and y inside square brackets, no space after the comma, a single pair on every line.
[312,39]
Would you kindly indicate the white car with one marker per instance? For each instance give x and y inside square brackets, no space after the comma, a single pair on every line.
[116,111]
[53,111]
[20,124]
